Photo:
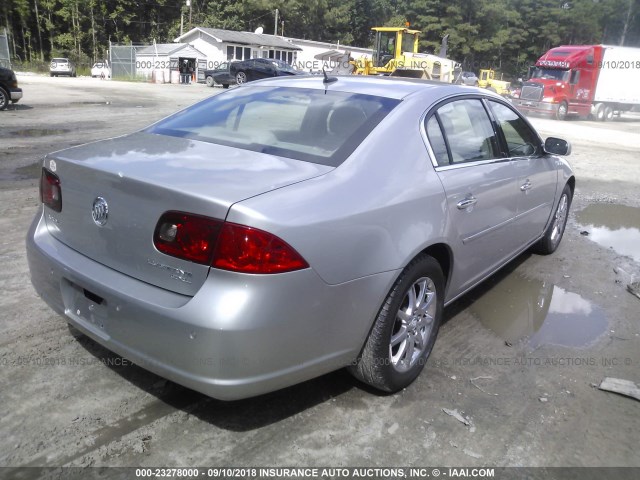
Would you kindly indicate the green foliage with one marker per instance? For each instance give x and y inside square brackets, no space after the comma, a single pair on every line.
[505,34]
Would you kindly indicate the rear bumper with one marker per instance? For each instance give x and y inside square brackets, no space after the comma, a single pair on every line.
[16,94]
[239,336]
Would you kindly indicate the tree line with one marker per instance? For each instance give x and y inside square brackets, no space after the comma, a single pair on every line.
[506,34]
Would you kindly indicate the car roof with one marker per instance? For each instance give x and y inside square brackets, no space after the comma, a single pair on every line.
[390,87]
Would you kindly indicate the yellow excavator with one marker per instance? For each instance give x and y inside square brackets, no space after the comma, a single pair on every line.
[396,54]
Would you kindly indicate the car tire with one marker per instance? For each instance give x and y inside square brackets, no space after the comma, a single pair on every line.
[51,74]
[225,85]
[241,78]
[405,328]
[553,235]
[4,99]
[561,112]
[209,81]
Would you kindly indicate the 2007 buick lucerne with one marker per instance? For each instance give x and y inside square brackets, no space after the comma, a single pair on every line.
[292,227]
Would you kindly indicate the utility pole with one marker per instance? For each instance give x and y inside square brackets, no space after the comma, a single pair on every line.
[190,12]
[628,19]
[39,34]
[275,27]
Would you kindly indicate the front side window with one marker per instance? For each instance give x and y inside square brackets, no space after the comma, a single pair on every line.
[521,140]
[468,131]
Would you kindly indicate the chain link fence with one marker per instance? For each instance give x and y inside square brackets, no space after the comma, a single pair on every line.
[122,59]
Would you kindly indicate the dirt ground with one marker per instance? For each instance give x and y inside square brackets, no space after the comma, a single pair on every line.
[518,357]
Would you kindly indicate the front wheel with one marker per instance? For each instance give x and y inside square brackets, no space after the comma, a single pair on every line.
[241,78]
[209,81]
[405,329]
[552,236]
[561,113]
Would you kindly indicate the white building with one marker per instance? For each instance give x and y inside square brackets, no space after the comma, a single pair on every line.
[316,55]
[161,59]
[209,47]
[225,45]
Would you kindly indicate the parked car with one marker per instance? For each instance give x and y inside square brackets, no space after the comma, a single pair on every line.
[220,75]
[9,90]
[62,66]
[468,78]
[101,70]
[293,227]
[231,73]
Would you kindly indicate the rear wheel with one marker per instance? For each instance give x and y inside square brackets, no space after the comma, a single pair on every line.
[608,114]
[209,81]
[241,78]
[4,98]
[561,113]
[551,239]
[405,329]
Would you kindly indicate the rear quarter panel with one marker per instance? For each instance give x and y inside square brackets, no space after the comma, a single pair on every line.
[372,214]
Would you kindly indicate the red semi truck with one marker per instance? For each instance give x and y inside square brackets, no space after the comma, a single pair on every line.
[585,80]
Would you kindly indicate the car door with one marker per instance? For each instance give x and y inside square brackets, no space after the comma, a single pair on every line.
[537,173]
[480,187]
[263,69]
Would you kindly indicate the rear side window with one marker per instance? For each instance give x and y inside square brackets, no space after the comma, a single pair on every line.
[317,126]
[468,131]
[436,139]
[521,140]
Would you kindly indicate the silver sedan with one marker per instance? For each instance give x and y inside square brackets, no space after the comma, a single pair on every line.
[291,227]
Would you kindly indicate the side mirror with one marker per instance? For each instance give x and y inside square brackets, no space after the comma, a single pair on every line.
[557,146]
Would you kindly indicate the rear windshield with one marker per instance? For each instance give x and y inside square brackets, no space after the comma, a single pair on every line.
[60,60]
[316,126]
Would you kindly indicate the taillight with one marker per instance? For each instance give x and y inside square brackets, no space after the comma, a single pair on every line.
[249,250]
[50,191]
[227,246]
[187,236]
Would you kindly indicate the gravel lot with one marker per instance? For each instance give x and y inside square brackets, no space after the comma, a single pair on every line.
[518,356]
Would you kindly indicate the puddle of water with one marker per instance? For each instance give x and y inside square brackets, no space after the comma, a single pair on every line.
[518,308]
[35,132]
[615,226]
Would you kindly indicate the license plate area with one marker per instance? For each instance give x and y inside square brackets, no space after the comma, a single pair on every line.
[85,307]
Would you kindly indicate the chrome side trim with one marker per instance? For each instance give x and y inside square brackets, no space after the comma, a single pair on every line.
[478,235]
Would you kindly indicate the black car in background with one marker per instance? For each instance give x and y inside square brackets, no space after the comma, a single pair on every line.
[231,73]
[9,91]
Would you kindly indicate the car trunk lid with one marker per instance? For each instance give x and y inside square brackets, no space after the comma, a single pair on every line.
[143,175]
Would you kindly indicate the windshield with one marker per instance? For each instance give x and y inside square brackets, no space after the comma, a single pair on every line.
[316,126]
[550,74]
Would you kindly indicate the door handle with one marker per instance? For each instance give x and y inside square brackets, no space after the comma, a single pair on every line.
[467,202]
[526,186]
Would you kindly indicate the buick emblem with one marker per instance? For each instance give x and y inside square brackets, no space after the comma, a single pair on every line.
[100,211]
